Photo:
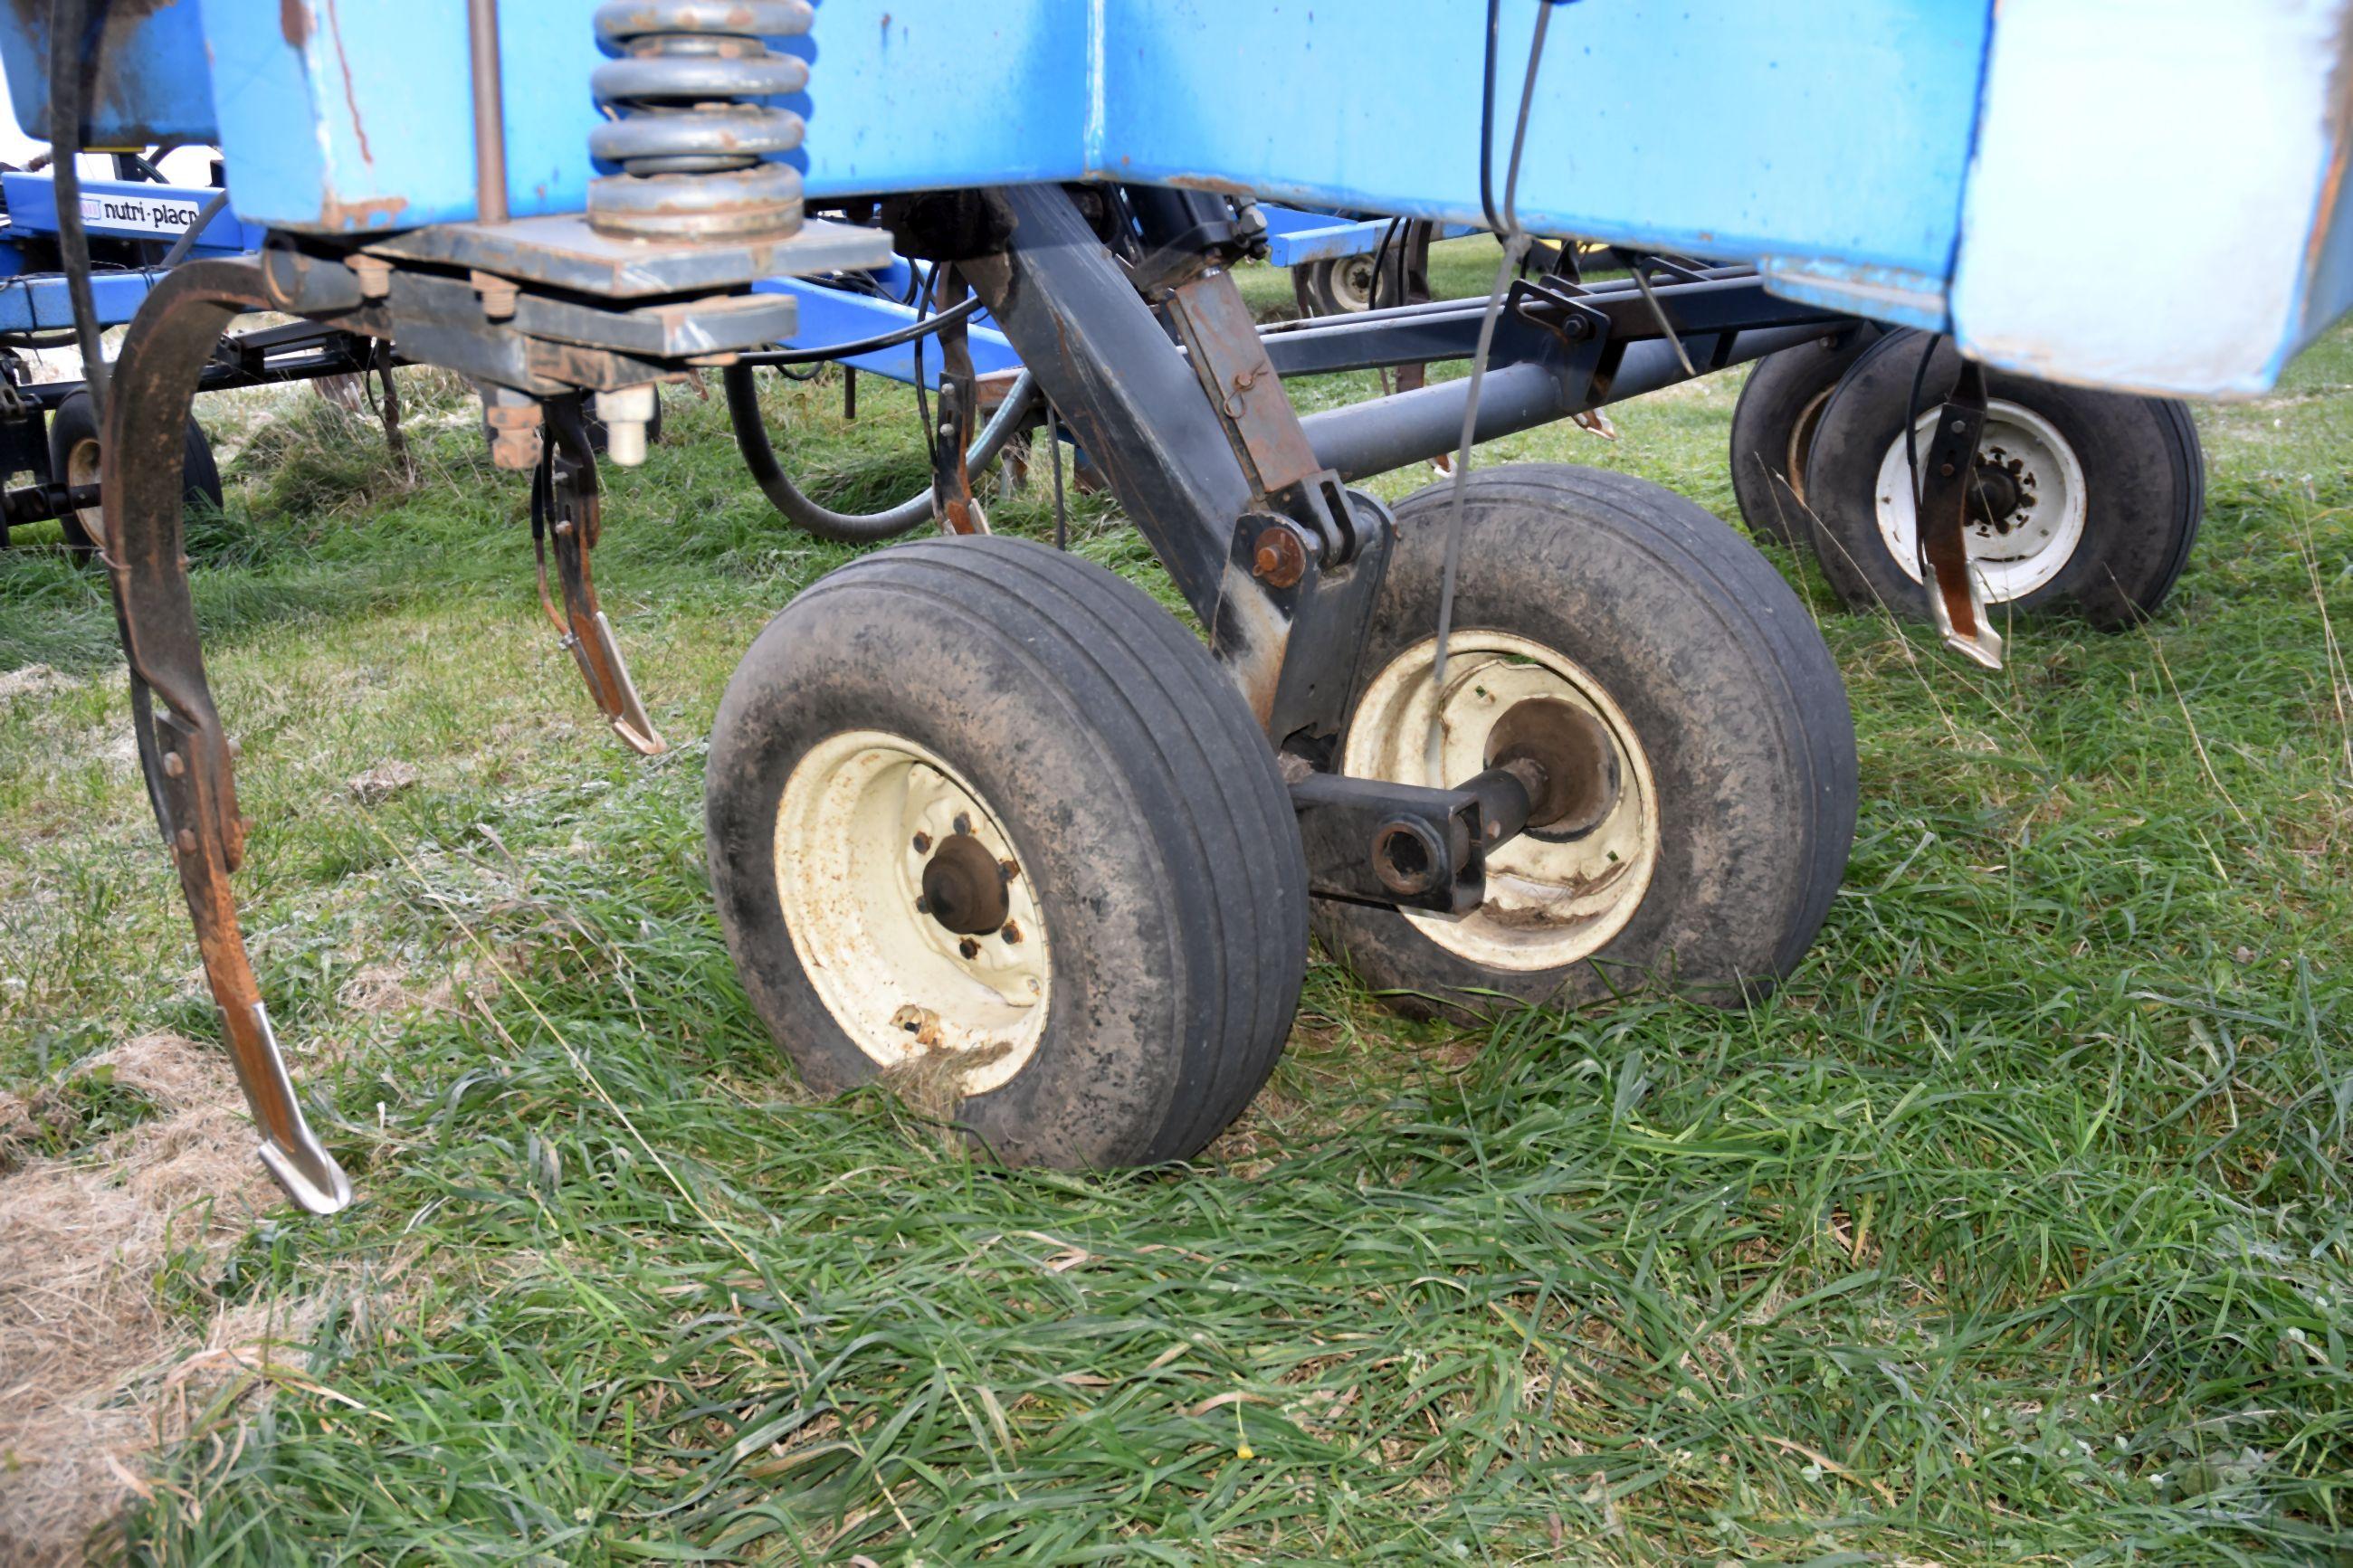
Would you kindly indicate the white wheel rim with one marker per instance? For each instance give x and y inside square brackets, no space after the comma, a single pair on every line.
[1353,283]
[860,817]
[2032,544]
[1549,903]
[83,465]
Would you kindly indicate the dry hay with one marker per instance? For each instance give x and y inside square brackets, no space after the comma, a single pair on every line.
[93,1371]
[32,680]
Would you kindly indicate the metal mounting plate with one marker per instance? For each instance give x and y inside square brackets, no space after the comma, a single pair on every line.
[564,252]
[677,330]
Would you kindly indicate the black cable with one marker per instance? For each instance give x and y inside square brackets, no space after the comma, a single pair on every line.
[853,528]
[1372,301]
[1515,244]
[1487,121]
[70,53]
[898,337]
[1380,260]
[1054,447]
[1912,443]
[923,398]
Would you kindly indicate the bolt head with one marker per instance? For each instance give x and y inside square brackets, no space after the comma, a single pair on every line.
[923,843]
[969,948]
[1279,561]
[1011,933]
[173,765]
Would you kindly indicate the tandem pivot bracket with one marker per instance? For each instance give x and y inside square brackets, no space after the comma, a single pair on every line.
[1370,841]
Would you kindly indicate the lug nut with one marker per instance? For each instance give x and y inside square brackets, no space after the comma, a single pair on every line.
[969,948]
[962,821]
[1011,933]
[923,843]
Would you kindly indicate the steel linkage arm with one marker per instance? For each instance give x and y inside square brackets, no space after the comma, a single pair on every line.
[181,747]
[1200,441]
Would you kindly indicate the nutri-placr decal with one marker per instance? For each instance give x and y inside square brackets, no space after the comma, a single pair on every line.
[165,216]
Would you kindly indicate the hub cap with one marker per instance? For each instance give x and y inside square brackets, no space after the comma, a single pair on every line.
[1353,283]
[1556,894]
[909,909]
[2025,511]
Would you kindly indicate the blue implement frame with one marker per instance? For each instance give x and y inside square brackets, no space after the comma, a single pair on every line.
[419,165]
[1937,163]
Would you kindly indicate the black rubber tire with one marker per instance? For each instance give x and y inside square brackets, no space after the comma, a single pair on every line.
[74,423]
[2144,481]
[1141,798]
[1725,682]
[1773,424]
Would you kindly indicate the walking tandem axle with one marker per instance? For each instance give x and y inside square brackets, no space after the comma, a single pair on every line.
[1536,734]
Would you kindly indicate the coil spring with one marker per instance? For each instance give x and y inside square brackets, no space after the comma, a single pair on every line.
[691,135]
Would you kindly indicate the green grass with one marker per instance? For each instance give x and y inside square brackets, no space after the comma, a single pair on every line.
[2015,1228]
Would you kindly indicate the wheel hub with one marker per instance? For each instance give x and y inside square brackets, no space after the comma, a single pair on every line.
[1572,749]
[908,910]
[965,887]
[1997,492]
[2026,506]
[1560,891]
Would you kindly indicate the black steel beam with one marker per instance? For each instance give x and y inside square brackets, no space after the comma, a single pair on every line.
[1122,387]
[1539,317]
[1387,433]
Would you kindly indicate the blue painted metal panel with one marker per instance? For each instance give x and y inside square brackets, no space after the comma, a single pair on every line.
[1839,128]
[946,93]
[129,209]
[38,303]
[933,95]
[831,315]
[1292,243]
[358,116]
[151,85]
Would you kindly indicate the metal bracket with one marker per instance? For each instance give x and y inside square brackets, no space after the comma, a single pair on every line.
[565,505]
[1955,599]
[953,505]
[1293,629]
[1372,842]
[1369,841]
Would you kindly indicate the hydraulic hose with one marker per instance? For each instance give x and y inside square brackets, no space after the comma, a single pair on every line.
[848,527]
